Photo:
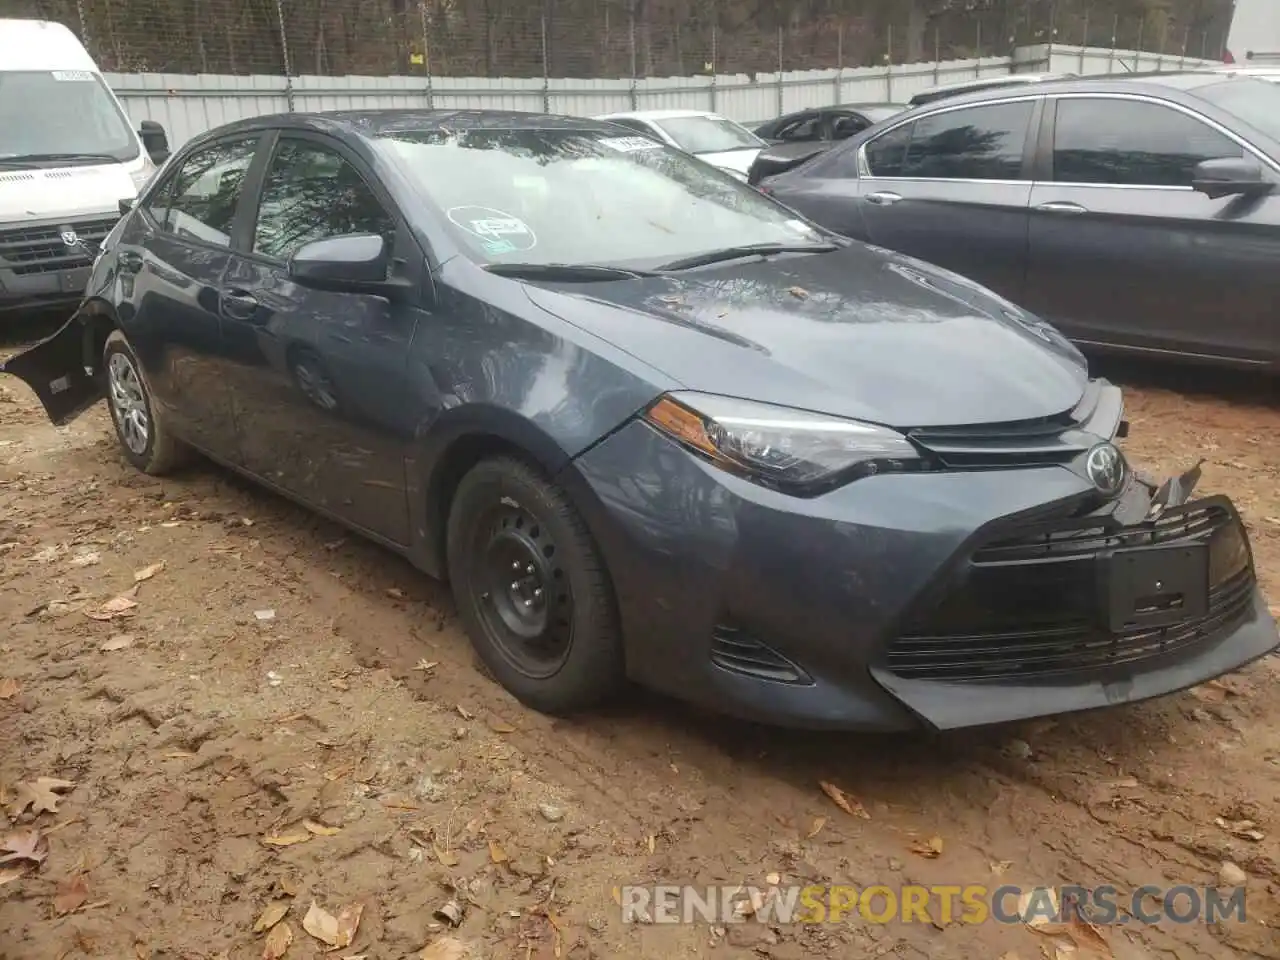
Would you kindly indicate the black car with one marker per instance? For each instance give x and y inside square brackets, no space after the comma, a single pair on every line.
[801,135]
[650,424]
[1138,213]
[982,85]
[826,123]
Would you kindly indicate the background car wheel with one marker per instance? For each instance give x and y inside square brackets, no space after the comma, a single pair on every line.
[144,437]
[532,589]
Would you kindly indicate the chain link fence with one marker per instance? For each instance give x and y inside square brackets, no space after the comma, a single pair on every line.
[605,39]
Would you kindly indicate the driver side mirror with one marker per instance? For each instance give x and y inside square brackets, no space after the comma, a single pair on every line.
[356,263]
[1230,176]
[155,141]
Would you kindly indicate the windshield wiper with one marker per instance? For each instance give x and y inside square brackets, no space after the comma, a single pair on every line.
[29,158]
[566,272]
[749,250]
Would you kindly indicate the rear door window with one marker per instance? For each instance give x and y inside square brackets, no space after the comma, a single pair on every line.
[1132,143]
[975,143]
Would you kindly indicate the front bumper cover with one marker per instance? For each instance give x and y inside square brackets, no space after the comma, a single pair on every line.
[785,610]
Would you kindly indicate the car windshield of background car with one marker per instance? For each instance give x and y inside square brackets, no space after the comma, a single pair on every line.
[61,112]
[709,134]
[574,196]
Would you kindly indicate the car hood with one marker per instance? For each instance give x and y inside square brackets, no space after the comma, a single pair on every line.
[739,160]
[63,192]
[861,332]
[802,148]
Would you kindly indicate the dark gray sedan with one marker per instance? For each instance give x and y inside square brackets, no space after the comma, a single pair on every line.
[650,424]
[1138,213]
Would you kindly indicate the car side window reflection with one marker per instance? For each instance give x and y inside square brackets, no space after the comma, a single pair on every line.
[1132,143]
[312,193]
[201,200]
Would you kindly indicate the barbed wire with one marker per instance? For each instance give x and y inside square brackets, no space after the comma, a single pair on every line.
[587,39]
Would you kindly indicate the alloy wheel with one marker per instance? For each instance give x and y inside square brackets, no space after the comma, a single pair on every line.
[129,403]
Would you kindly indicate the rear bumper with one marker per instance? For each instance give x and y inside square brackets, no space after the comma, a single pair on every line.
[788,611]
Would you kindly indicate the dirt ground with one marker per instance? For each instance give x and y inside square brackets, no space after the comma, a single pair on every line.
[291,716]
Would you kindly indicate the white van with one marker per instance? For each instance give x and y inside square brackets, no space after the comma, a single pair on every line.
[68,157]
[1254,39]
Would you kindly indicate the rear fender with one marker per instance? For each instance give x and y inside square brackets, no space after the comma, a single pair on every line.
[61,371]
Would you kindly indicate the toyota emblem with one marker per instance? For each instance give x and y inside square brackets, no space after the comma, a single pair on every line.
[1105,468]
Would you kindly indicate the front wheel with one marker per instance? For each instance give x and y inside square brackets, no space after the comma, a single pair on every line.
[143,434]
[532,589]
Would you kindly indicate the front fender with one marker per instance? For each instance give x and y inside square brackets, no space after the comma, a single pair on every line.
[61,369]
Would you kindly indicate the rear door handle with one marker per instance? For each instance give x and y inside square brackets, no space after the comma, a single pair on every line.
[883,198]
[130,261]
[239,304]
[1061,206]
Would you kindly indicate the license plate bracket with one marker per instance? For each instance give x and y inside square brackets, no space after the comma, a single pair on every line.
[1152,587]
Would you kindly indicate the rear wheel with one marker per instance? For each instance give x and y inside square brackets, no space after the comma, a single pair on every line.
[143,433]
[532,589]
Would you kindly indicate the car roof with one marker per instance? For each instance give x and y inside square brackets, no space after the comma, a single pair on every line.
[373,123]
[658,114]
[1151,83]
[981,83]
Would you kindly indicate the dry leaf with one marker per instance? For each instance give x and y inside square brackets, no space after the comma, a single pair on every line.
[395,593]
[277,942]
[816,827]
[424,665]
[321,924]
[288,886]
[931,850]
[8,688]
[446,948]
[497,726]
[464,713]
[9,874]
[339,684]
[146,573]
[271,916]
[320,829]
[29,845]
[848,804]
[116,643]
[348,924]
[998,867]
[496,853]
[286,839]
[798,292]
[121,606]
[71,895]
[446,857]
[40,795]
[652,843]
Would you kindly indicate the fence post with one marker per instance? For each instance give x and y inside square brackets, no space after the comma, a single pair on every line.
[84,26]
[546,82]
[1115,36]
[426,53]
[977,60]
[1137,56]
[632,31]
[284,49]
[839,81]
[888,68]
[1186,42]
[780,109]
[714,68]
[937,55]
[1084,42]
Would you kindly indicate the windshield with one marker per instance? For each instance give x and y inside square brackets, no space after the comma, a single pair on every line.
[60,112]
[579,196]
[1256,102]
[708,134]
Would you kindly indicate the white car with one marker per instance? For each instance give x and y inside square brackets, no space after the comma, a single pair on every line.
[710,137]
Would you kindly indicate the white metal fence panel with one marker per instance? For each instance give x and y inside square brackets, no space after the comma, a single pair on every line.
[189,105]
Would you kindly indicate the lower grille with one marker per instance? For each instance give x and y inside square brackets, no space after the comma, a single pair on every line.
[31,250]
[1027,604]
[739,652]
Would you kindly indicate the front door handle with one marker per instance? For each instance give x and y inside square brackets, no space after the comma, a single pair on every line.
[1061,206]
[239,304]
[130,261]
[883,198]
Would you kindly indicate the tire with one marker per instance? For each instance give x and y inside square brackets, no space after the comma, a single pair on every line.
[160,452]
[509,531]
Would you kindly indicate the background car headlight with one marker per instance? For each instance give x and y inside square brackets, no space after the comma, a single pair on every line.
[792,450]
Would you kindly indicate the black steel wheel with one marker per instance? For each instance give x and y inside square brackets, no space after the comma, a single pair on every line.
[532,590]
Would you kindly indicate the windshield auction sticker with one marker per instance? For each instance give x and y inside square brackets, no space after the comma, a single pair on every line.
[630,144]
[73,76]
[500,232]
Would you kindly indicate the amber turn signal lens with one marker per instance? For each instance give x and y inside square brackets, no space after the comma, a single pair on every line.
[682,424]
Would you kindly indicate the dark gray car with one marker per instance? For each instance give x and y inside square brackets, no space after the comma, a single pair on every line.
[650,424]
[1136,212]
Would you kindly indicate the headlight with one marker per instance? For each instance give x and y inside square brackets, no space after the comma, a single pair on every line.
[790,450]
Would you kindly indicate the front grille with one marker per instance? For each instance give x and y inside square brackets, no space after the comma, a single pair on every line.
[735,650]
[31,250]
[1027,603]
